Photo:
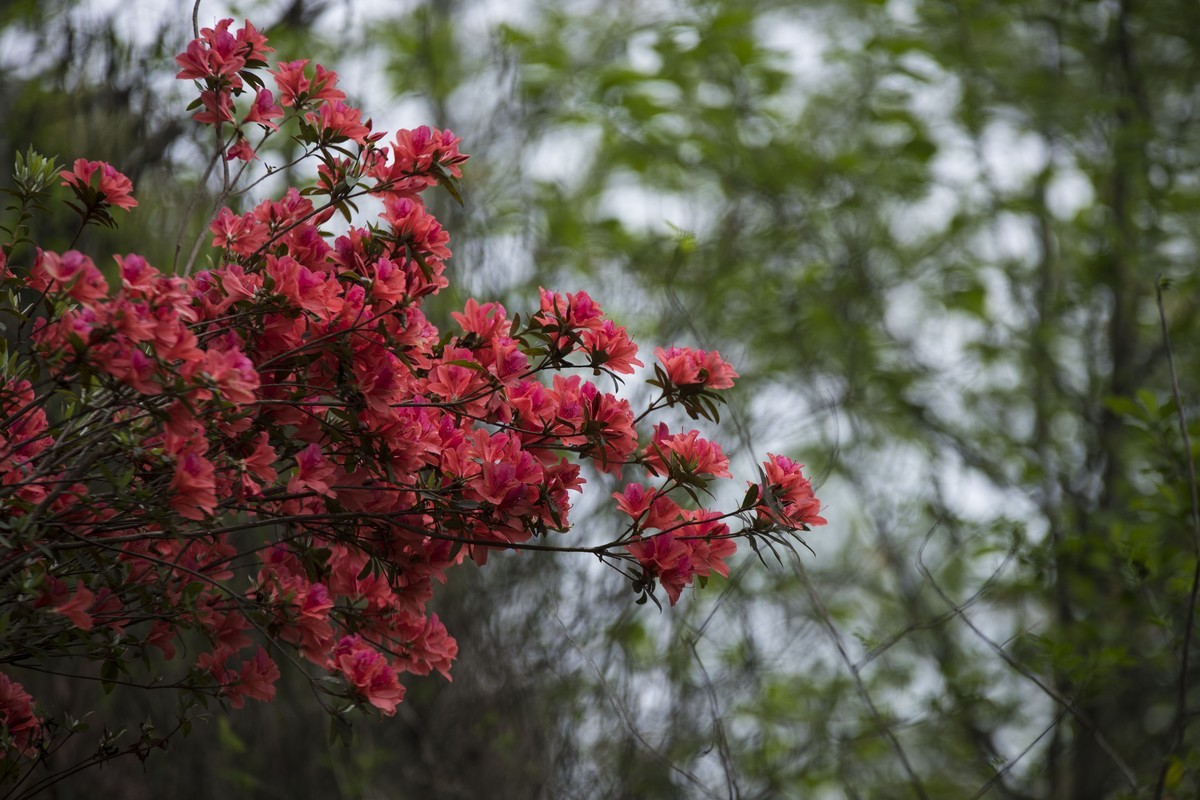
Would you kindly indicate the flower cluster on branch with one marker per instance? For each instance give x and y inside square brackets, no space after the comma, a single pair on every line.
[280,456]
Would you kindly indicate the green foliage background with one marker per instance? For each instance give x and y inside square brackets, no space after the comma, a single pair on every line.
[930,235]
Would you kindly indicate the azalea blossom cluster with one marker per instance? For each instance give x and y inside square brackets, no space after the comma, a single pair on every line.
[279,456]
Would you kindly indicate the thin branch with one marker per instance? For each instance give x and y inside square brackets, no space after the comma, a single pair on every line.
[625,716]
[935,622]
[722,741]
[1024,671]
[999,776]
[883,727]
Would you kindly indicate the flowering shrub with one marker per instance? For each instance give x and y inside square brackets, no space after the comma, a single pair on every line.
[281,455]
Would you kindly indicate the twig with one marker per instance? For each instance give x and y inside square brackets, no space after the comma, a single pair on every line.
[626,717]
[883,727]
[721,740]
[999,776]
[935,622]
[1024,671]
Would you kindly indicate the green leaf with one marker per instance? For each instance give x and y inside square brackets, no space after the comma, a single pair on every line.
[340,730]
[447,182]
[110,671]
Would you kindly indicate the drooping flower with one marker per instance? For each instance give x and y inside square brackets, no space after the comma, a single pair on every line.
[787,496]
[218,107]
[130,365]
[424,645]
[234,374]
[652,509]
[313,472]
[241,150]
[687,367]
[115,189]
[72,271]
[256,680]
[17,717]
[137,275]
[369,672]
[417,157]
[686,452]
[708,538]
[292,82]
[243,235]
[76,607]
[259,466]
[486,320]
[264,110]
[218,53]
[665,558]
[296,89]
[566,316]
[194,485]
[609,346]
[337,122]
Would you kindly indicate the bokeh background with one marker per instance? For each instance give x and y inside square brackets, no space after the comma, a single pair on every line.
[929,233]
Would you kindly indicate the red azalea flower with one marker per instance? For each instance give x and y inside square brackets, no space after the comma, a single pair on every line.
[17,717]
[115,188]
[76,608]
